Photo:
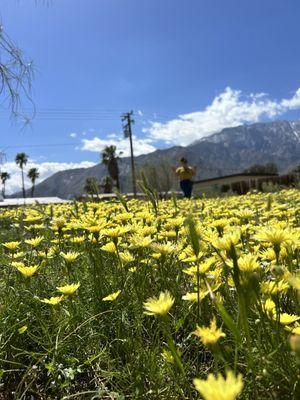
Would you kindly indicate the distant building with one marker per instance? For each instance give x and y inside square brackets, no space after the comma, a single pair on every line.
[14,202]
[243,182]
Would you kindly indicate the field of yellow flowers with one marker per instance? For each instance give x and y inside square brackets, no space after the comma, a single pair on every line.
[169,299]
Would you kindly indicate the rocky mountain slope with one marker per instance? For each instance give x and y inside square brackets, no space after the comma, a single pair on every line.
[227,152]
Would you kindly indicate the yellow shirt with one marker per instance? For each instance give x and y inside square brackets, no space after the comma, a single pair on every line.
[185,173]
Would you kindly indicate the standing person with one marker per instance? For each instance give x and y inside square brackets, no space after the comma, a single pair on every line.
[185,174]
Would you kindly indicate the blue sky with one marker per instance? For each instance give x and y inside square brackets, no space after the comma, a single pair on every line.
[187,68]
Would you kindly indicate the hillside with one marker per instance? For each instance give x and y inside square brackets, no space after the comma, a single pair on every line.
[229,151]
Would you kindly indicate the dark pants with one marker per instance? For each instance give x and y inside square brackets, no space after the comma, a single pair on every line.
[187,187]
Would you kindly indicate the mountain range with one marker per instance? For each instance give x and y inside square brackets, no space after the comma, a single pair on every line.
[229,151]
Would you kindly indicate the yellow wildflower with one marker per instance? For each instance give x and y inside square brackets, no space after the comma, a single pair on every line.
[124,217]
[294,281]
[11,245]
[19,254]
[27,271]
[210,235]
[248,263]
[227,241]
[160,305]
[78,239]
[144,215]
[22,330]
[156,256]
[146,231]
[218,388]
[53,300]
[94,228]
[116,232]
[245,214]
[193,297]
[209,334]
[17,264]
[268,254]
[269,307]
[166,235]
[274,287]
[203,267]
[163,248]
[188,255]
[175,223]
[296,330]
[286,319]
[32,218]
[137,241]
[58,223]
[68,289]
[35,241]
[167,356]
[70,256]
[274,234]
[126,257]
[219,223]
[109,247]
[112,296]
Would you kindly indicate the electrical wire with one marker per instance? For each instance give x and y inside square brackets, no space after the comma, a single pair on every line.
[90,114]
[16,146]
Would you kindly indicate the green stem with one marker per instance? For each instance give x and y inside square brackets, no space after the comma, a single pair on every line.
[242,309]
[198,293]
[171,345]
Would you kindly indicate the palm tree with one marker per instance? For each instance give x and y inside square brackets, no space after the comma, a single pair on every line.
[4,176]
[91,186]
[33,174]
[110,159]
[21,160]
[107,184]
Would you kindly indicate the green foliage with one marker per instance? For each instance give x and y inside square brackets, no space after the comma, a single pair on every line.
[268,168]
[150,192]
[91,186]
[110,159]
[122,200]
[159,175]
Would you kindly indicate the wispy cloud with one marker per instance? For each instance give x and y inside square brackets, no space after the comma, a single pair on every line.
[141,146]
[230,108]
[46,169]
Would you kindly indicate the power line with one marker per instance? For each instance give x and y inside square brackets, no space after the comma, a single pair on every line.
[75,117]
[16,146]
[92,114]
[67,109]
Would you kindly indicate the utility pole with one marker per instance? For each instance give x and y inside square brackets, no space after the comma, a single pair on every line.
[127,121]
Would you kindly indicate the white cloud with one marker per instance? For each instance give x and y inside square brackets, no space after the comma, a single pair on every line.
[292,103]
[46,169]
[230,108]
[112,135]
[141,146]
[73,135]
